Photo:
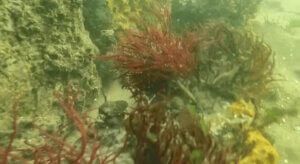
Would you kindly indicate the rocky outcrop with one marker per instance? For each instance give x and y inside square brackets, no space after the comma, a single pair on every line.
[44,47]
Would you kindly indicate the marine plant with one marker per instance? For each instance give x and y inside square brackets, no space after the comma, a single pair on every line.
[165,138]
[154,55]
[56,148]
[127,13]
[227,62]
[236,63]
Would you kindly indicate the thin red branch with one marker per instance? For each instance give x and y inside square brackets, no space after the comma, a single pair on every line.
[56,150]
[5,153]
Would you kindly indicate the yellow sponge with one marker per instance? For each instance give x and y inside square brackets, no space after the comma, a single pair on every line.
[241,107]
[262,152]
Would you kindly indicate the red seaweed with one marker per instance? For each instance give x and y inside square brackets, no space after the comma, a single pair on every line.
[154,54]
[56,149]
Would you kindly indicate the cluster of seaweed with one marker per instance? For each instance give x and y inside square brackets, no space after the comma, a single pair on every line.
[154,55]
[56,148]
[165,138]
[152,59]
[158,64]
[236,62]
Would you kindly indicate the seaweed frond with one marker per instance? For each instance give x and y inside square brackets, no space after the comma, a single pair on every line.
[57,149]
[154,55]
[165,138]
[235,61]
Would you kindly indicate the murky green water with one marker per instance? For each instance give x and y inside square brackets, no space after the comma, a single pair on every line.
[150,82]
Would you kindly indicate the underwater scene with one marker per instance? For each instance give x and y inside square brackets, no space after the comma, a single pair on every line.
[149,82]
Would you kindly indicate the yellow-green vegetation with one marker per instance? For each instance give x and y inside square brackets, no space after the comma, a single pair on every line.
[235,62]
[125,15]
[128,13]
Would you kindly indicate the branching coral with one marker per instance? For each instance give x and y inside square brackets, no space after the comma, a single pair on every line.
[56,149]
[153,55]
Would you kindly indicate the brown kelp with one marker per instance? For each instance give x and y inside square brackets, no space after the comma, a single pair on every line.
[165,138]
[235,62]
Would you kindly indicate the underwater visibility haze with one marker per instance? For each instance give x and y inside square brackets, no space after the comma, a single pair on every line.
[149,81]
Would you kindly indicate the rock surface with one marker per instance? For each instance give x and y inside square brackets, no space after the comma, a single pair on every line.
[43,47]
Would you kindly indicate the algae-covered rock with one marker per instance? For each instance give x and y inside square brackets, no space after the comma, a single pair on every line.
[50,37]
[44,47]
[98,20]
[127,14]
[113,112]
